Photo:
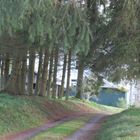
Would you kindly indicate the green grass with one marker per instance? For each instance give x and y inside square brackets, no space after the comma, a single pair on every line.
[22,112]
[106,108]
[62,130]
[123,126]
[18,113]
[99,107]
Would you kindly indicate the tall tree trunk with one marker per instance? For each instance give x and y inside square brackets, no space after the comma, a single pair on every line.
[31,71]
[12,84]
[44,73]
[55,74]
[6,71]
[63,76]
[38,80]
[50,75]
[19,78]
[80,78]
[23,75]
[2,72]
[68,75]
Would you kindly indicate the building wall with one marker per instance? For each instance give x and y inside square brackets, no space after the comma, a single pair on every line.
[137,94]
[109,97]
[133,94]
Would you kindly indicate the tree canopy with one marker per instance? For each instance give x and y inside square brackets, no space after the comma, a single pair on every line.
[103,34]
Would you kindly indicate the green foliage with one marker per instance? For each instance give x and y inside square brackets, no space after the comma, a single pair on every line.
[46,22]
[116,42]
[123,40]
[123,89]
[92,84]
[122,103]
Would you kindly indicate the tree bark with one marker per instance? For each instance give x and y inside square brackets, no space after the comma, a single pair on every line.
[55,74]
[50,75]
[2,72]
[23,75]
[19,79]
[6,71]
[80,78]
[68,75]
[31,71]
[38,81]
[63,76]
[12,84]
[44,74]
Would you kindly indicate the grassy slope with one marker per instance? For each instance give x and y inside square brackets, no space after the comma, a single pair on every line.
[19,113]
[105,108]
[123,126]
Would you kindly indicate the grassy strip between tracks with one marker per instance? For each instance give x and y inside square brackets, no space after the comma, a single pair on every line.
[62,130]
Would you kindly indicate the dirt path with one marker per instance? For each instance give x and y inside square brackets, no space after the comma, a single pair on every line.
[31,132]
[89,131]
[27,134]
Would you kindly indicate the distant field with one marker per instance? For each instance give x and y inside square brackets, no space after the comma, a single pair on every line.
[123,126]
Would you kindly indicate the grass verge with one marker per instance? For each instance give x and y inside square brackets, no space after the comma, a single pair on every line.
[123,126]
[18,113]
[105,108]
[97,107]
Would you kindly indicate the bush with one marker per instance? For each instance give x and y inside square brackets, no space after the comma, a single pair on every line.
[122,103]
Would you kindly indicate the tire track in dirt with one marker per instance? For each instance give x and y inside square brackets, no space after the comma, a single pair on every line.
[89,131]
[27,134]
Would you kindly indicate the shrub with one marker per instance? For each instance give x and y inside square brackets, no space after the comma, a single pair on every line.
[122,103]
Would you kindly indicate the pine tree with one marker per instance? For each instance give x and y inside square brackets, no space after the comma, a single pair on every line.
[49,83]
[31,71]
[68,75]
[54,86]
[44,73]
[63,76]
[38,79]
